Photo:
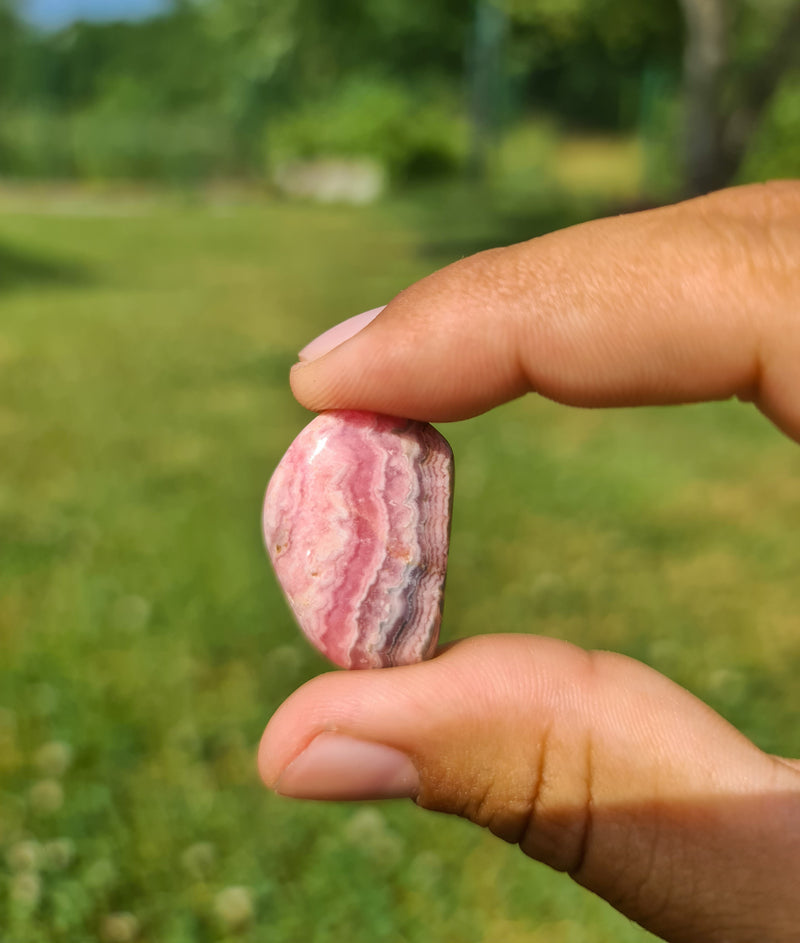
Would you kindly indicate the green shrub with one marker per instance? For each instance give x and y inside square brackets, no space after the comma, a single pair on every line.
[775,150]
[35,143]
[179,148]
[105,143]
[414,135]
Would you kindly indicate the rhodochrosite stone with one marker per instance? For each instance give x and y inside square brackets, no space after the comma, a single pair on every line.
[357,525]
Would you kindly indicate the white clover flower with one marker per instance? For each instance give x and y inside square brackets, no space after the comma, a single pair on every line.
[46,796]
[26,889]
[24,856]
[368,830]
[58,854]
[234,907]
[53,759]
[199,859]
[121,927]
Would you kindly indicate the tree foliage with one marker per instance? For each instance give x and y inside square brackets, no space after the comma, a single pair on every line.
[736,57]
[227,80]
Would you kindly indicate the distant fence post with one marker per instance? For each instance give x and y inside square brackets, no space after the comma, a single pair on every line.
[485,83]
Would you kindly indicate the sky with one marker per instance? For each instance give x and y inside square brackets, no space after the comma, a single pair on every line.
[52,14]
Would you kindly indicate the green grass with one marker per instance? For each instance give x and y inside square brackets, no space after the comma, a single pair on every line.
[537,151]
[143,405]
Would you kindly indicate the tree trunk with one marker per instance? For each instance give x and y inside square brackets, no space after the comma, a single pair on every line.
[485,80]
[705,57]
[715,142]
[759,87]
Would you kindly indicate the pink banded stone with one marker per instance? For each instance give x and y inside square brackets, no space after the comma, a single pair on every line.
[357,525]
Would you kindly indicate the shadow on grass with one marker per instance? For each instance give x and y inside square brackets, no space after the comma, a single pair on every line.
[21,268]
[471,220]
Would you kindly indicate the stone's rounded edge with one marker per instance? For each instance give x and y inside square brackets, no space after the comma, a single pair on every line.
[362,653]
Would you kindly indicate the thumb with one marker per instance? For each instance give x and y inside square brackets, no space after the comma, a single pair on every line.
[593,763]
[685,303]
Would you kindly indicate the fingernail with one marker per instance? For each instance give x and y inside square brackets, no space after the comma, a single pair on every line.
[334,766]
[337,334]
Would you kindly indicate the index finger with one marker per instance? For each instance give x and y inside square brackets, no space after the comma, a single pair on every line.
[695,301]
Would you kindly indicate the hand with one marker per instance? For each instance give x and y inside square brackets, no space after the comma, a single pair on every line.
[593,763]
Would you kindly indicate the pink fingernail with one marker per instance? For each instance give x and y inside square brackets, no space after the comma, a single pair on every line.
[334,766]
[337,334]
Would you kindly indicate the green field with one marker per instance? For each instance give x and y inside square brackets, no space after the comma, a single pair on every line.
[144,349]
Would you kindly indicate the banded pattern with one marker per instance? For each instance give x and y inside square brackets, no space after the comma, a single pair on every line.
[357,525]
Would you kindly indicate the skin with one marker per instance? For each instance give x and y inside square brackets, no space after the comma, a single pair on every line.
[591,762]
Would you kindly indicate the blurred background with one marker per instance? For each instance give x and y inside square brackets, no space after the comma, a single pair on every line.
[190,191]
[351,99]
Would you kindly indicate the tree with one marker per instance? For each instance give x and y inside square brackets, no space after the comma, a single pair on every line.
[724,100]
[584,60]
[11,41]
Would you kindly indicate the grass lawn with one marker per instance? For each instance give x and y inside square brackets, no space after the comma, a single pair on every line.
[144,348]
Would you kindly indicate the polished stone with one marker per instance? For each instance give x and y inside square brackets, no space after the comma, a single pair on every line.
[357,525]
